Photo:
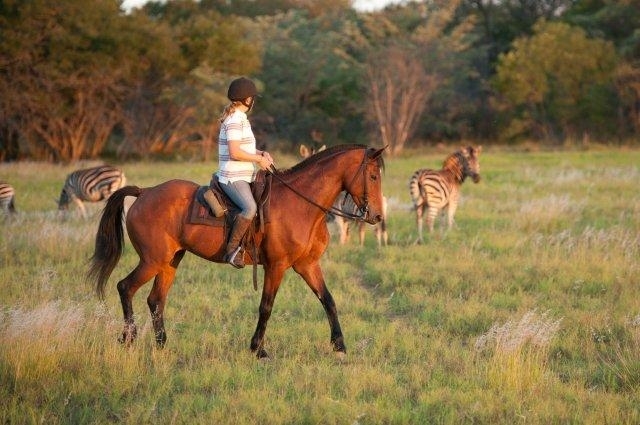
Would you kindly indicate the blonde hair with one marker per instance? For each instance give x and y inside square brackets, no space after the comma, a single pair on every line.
[229,109]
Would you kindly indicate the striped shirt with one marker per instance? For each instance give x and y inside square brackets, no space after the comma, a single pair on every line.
[236,127]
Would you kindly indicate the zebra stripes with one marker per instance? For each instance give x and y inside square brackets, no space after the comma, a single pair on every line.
[345,203]
[433,190]
[90,185]
[7,195]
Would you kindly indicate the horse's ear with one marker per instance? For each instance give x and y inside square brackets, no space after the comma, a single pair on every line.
[304,151]
[377,153]
[321,148]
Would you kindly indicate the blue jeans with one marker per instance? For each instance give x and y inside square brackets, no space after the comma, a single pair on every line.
[240,193]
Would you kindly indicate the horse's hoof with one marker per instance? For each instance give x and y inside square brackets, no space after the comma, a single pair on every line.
[128,335]
[125,340]
[261,354]
[341,356]
[338,345]
[161,340]
[266,359]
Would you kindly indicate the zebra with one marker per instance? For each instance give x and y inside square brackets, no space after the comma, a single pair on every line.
[432,190]
[345,203]
[90,185]
[7,198]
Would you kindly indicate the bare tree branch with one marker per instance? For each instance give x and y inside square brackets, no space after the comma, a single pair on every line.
[399,88]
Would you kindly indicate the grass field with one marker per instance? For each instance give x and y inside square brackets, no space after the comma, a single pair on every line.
[528,311]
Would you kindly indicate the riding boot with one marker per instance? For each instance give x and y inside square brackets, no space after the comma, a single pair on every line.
[234,254]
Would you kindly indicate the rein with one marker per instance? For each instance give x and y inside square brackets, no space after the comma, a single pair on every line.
[332,210]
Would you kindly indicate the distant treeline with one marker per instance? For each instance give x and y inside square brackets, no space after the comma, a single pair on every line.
[84,79]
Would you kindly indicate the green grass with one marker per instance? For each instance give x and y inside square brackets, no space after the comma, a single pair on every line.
[526,312]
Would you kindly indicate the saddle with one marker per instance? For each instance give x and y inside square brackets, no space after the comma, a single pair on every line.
[200,211]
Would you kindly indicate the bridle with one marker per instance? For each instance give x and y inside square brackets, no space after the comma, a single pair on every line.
[363,210]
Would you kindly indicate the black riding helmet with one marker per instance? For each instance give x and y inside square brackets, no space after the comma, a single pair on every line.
[241,88]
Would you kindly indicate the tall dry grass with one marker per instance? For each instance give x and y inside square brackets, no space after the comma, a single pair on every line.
[519,352]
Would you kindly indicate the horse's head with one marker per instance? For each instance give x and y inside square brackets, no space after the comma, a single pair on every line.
[355,169]
[365,186]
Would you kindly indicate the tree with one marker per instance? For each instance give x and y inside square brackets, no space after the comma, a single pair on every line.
[178,99]
[551,82]
[399,87]
[311,78]
[627,82]
[66,72]
[407,75]
[616,21]
[61,76]
[74,78]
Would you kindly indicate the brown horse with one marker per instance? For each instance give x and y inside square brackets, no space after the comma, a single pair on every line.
[295,236]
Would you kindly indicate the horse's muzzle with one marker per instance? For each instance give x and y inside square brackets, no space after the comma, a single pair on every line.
[476,178]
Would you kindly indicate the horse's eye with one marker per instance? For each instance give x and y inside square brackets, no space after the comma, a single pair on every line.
[374,177]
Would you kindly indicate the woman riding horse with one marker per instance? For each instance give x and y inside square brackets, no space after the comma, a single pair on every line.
[295,235]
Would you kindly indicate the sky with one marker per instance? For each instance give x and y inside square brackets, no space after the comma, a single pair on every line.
[369,5]
[362,5]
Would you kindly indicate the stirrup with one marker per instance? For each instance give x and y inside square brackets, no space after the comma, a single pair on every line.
[235,260]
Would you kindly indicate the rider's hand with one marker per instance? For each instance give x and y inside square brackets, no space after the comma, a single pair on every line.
[266,162]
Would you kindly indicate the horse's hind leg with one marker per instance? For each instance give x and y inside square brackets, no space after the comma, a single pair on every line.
[158,297]
[127,288]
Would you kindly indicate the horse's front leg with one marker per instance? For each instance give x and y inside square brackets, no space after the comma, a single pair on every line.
[312,274]
[272,279]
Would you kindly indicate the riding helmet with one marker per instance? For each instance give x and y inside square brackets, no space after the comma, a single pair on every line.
[241,88]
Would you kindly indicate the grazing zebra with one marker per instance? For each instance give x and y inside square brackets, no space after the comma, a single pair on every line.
[345,203]
[432,190]
[90,185]
[7,195]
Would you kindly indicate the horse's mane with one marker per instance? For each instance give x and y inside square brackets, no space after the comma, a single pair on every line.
[317,157]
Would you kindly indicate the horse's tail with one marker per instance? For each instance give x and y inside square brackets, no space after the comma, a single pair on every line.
[109,238]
